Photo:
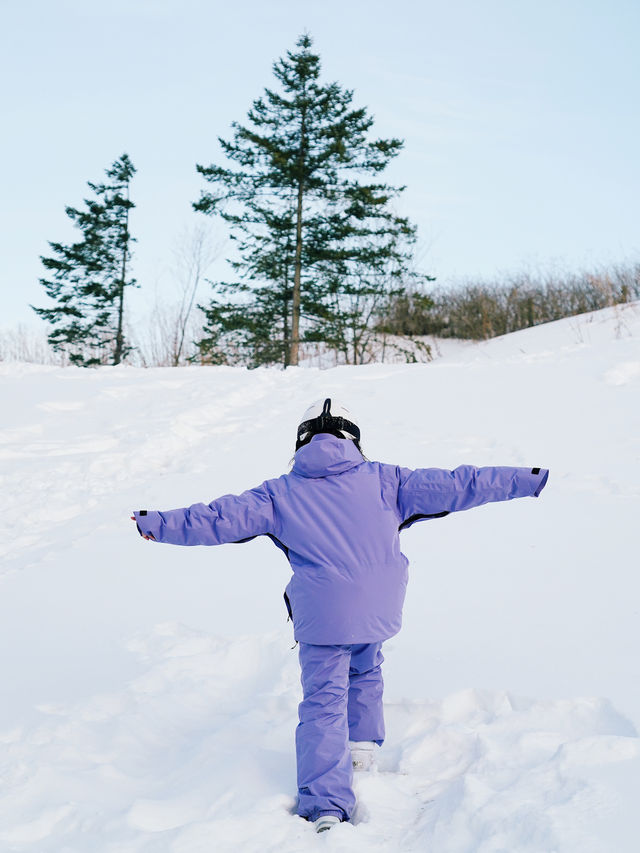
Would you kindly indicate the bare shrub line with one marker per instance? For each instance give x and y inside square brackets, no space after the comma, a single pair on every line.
[478,309]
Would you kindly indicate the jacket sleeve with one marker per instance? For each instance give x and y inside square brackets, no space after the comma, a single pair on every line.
[231,518]
[433,492]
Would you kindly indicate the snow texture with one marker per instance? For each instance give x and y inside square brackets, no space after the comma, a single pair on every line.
[149,693]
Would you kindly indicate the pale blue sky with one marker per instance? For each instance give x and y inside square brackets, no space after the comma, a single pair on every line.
[521,120]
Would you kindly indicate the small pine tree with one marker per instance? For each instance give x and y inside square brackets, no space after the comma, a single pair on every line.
[312,228]
[88,278]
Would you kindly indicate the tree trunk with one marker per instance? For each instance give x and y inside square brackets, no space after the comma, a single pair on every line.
[117,355]
[285,320]
[297,274]
[184,318]
[286,342]
[295,303]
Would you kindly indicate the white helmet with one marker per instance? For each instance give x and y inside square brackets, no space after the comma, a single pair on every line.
[330,416]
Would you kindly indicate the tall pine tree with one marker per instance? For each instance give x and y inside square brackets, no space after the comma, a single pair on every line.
[319,244]
[88,279]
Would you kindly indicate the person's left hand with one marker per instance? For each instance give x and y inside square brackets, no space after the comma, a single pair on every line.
[144,535]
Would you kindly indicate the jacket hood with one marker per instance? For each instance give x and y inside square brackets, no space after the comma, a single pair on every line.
[326,455]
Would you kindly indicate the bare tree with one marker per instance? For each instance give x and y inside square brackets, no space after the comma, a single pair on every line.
[195,251]
[173,324]
[28,344]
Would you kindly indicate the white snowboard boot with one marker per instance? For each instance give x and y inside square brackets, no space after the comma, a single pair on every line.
[362,757]
[326,822]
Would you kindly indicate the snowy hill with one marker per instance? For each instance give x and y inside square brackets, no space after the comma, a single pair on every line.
[149,693]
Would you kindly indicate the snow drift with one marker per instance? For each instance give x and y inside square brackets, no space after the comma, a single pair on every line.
[149,693]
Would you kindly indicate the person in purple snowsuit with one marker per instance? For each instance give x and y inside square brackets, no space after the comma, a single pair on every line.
[337,517]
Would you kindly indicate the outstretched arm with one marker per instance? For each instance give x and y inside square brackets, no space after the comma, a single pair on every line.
[231,518]
[431,492]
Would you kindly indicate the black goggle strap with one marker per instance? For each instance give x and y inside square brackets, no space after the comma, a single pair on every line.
[321,424]
[326,422]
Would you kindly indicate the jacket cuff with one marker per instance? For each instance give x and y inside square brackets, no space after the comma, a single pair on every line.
[149,523]
[539,477]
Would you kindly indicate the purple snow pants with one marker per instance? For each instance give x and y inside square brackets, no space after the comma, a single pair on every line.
[342,701]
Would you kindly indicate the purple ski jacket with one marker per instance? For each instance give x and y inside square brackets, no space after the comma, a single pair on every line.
[338,518]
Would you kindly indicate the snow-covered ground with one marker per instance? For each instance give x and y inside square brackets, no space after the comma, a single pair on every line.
[149,694]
